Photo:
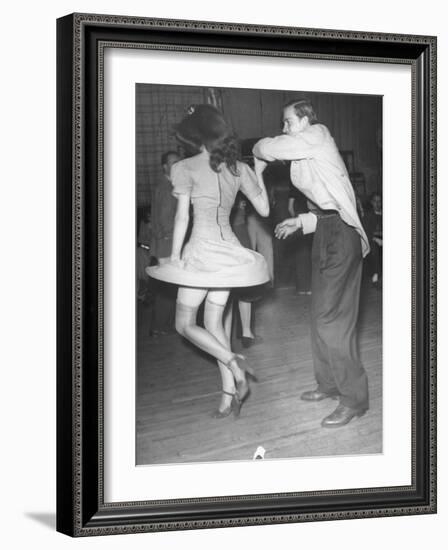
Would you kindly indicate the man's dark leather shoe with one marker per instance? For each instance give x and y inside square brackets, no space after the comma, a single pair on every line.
[316,395]
[341,416]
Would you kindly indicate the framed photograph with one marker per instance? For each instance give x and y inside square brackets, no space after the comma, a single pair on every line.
[246,274]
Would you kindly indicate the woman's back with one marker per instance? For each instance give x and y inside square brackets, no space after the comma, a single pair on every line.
[212,193]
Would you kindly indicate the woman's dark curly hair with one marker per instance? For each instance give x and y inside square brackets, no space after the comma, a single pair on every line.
[205,125]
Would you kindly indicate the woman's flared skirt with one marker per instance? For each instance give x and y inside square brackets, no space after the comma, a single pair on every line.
[213,264]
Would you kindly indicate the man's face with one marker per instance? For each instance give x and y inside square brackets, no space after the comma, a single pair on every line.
[172,159]
[292,124]
[376,203]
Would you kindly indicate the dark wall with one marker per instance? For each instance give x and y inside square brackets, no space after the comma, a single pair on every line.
[158,108]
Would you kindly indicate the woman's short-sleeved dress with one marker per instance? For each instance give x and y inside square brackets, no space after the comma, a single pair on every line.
[213,257]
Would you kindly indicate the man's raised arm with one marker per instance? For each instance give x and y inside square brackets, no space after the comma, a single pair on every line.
[287,147]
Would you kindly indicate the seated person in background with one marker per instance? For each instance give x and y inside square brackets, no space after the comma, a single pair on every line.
[373,224]
[163,210]
[143,255]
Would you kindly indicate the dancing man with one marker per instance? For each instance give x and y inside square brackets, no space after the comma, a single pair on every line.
[339,245]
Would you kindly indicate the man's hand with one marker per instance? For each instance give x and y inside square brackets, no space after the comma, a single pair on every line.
[259,165]
[287,227]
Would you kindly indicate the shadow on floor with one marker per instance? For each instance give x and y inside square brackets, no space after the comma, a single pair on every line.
[48,519]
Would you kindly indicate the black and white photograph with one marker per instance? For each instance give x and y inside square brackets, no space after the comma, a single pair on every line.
[258,261]
[222,241]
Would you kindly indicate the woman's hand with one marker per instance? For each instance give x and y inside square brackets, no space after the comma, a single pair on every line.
[378,241]
[287,227]
[176,261]
[259,165]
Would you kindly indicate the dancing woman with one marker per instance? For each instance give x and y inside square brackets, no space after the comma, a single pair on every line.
[213,261]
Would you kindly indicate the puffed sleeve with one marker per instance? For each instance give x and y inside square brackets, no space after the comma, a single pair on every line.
[248,181]
[181,179]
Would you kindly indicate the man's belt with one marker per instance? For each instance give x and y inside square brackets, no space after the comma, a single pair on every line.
[325,213]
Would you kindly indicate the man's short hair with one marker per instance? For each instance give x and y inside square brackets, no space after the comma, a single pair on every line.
[165,156]
[303,107]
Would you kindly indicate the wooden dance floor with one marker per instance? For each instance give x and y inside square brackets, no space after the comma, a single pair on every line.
[178,390]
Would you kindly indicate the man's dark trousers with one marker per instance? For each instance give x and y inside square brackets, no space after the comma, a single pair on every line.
[336,283]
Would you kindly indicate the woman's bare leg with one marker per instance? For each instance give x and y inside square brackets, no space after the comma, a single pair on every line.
[218,321]
[213,321]
[246,317]
[188,302]
[212,337]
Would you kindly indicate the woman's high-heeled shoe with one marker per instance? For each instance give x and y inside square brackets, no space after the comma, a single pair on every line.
[235,407]
[244,366]
[242,386]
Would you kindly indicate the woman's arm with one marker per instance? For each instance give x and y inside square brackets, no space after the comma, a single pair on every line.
[261,201]
[181,220]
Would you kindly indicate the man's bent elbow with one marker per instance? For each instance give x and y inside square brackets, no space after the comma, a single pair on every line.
[256,151]
[259,151]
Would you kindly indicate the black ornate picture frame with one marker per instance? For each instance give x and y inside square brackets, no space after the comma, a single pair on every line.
[81,508]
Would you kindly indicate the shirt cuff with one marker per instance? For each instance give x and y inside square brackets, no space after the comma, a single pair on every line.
[308,222]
